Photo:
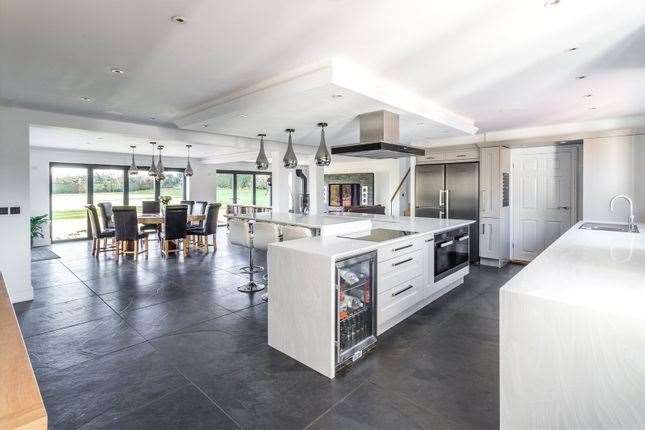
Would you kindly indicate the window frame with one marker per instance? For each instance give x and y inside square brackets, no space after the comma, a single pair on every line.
[90,187]
[254,173]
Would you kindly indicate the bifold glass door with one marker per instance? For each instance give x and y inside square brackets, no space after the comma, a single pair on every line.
[69,195]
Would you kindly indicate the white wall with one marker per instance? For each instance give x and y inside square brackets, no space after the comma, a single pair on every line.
[15,253]
[202,184]
[613,165]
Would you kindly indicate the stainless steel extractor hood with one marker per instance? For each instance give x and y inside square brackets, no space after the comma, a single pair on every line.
[379,138]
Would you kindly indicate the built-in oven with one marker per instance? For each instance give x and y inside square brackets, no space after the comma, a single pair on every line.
[451,252]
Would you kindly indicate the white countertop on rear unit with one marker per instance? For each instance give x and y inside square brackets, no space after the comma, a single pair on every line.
[595,269]
[335,247]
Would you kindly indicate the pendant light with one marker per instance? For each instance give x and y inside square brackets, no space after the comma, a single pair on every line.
[189,169]
[160,174]
[262,162]
[323,157]
[290,160]
[133,170]
[153,166]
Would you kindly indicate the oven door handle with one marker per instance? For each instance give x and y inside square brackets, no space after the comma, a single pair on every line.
[464,237]
[445,244]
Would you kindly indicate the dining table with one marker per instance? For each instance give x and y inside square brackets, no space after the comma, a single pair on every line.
[158,218]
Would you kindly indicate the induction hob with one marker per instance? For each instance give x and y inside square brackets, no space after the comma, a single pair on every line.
[379,235]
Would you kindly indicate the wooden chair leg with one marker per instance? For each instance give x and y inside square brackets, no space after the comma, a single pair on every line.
[136,249]
[184,243]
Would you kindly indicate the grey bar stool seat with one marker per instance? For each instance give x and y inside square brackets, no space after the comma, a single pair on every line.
[239,233]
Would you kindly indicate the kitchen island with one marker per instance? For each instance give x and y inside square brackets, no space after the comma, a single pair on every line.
[572,335]
[309,291]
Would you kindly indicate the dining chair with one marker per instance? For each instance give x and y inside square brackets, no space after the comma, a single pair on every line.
[99,236]
[209,228]
[189,204]
[239,234]
[174,230]
[199,209]
[150,207]
[126,232]
[107,215]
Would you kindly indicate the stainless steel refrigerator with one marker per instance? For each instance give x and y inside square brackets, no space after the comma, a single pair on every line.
[450,191]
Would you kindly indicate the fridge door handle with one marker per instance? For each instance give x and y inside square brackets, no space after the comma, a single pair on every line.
[440,198]
[441,214]
[447,203]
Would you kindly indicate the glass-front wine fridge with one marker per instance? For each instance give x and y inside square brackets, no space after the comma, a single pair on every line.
[355,307]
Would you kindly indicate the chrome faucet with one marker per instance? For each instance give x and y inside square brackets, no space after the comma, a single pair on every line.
[631,223]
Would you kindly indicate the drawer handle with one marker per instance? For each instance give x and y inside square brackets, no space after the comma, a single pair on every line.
[447,243]
[430,240]
[402,261]
[402,247]
[402,291]
[462,238]
[461,155]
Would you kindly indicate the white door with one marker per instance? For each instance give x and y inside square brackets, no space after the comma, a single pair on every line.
[543,182]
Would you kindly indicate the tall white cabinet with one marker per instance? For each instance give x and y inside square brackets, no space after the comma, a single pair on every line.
[494,206]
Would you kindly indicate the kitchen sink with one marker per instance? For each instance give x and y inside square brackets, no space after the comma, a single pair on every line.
[624,228]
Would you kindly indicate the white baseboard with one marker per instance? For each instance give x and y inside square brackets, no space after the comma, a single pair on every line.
[493,262]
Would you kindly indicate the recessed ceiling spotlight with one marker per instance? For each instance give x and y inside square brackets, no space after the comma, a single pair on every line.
[99,138]
[575,48]
[244,115]
[581,77]
[88,143]
[549,3]
[152,118]
[117,71]
[336,96]
[86,99]
[178,19]
[593,108]
[204,125]
[588,95]
[420,123]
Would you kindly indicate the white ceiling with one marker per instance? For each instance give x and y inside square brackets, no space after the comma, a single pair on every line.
[501,63]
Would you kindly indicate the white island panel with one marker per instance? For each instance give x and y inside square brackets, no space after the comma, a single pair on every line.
[572,335]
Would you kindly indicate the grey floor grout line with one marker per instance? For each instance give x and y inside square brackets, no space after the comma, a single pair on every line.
[207,396]
[338,402]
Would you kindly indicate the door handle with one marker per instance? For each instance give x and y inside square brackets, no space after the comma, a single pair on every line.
[448,243]
[483,229]
[440,198]
[402,291]
[402,262]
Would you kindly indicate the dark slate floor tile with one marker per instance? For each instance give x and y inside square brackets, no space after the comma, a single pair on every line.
[219,282]
[186,408]
[66,347]
[111,386]
[371,407]
[58,294]
[270,391]
[60,315]
[136,298]
[128,278]
[59,277]
[157,320]
[484,305]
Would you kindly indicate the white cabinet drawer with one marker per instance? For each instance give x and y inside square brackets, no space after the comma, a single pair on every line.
[396,300]
[463,154]
[397,249]
[398,270]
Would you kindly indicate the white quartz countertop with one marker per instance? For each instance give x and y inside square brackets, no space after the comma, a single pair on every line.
[335,247]
[595,269]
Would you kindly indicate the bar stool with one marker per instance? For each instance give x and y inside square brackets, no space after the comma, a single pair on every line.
[292,232]
[251,268]
[265,233]
[239,234]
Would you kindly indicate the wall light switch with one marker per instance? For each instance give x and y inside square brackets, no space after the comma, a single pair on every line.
[4,211]
[14,210]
